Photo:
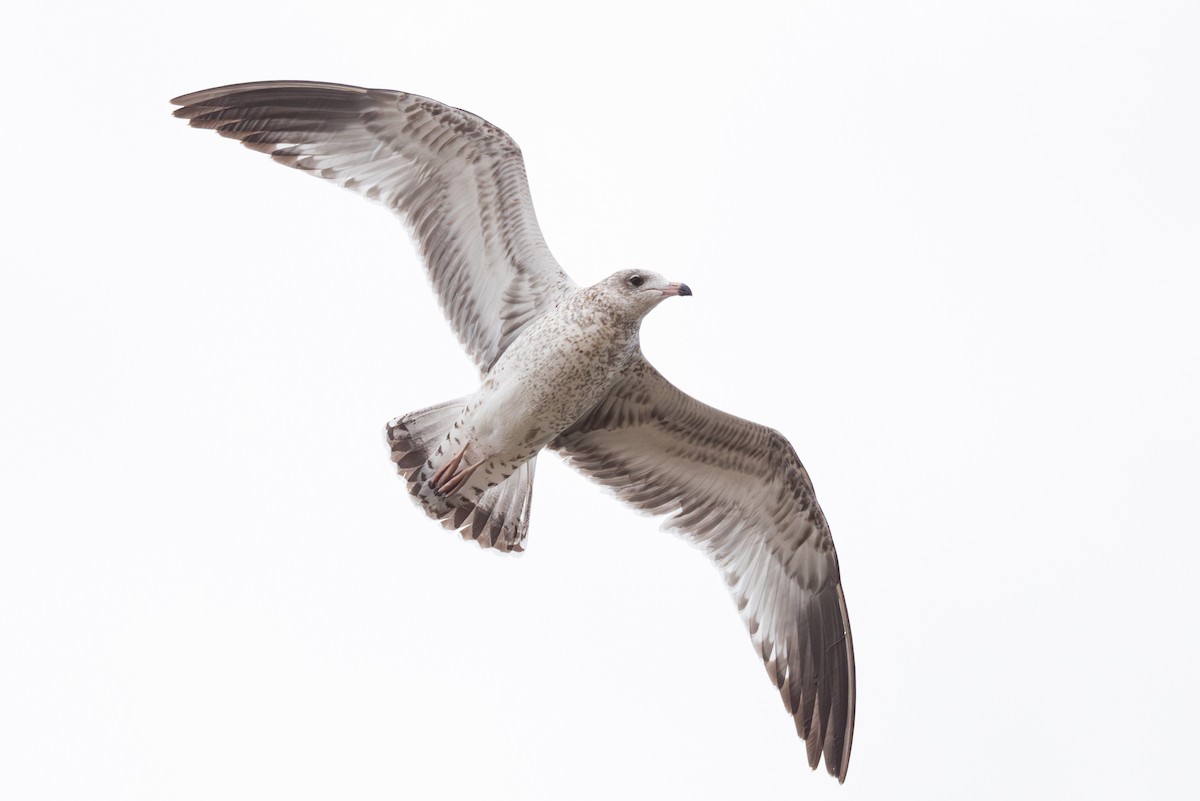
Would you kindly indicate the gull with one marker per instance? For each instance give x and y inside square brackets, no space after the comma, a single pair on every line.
[561,368]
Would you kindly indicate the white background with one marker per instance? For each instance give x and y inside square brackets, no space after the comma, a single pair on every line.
[950,249]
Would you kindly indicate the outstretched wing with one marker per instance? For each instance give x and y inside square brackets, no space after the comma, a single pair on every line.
[738,491]
[457,181]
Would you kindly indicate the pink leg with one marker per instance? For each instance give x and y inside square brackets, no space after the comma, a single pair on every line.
[447,469]
[459,480]
[448,479]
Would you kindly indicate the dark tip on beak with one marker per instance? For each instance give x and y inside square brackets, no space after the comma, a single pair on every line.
[684,289]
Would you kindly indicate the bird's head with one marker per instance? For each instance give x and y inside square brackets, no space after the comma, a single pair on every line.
[641,290]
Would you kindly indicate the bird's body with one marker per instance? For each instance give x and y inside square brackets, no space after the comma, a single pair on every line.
[557,369]
[562,369]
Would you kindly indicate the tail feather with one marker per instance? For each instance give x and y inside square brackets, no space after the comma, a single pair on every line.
[498,518]
[501,515]
[413,440]
[413,435]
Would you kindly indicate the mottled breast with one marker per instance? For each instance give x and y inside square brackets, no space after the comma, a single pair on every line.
[561,366]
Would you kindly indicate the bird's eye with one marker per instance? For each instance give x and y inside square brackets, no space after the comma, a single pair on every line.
[637,280]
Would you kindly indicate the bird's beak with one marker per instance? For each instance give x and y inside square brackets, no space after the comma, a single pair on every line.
[677,289]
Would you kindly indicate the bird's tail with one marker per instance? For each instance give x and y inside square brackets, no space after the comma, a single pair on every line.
[498,518]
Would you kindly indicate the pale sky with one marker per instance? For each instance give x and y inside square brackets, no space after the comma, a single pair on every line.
[950,250]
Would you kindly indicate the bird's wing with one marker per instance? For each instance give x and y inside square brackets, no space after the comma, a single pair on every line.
[738,491]
[456,180]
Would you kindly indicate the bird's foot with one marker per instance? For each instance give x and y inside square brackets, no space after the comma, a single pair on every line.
[447,469]
[459,479]
[448,479]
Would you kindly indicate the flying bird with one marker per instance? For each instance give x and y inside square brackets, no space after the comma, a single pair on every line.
[561,368]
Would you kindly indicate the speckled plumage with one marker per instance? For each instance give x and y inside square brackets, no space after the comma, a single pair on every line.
[559,367]
[562,369]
